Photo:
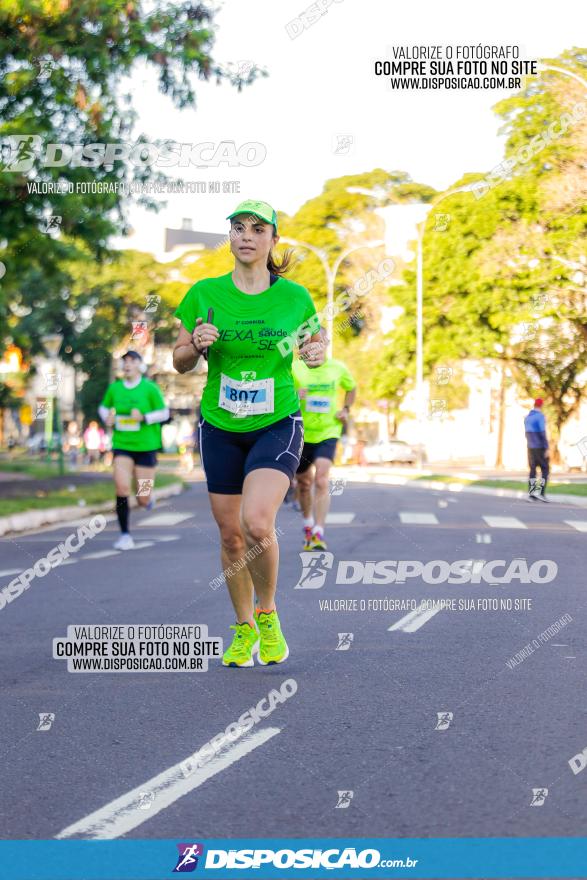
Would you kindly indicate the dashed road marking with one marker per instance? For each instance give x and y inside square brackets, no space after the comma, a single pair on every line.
[333,519]
[165,519]
[579,524]
[123,814]
[420,519]
[504,522]
[100,554]
[414,620]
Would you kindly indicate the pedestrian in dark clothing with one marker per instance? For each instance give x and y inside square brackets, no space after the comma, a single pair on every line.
[535,425]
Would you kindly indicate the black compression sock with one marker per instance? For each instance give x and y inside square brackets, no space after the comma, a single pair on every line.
[122,512]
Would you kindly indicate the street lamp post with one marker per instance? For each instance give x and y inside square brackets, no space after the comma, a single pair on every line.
[563,70]
[52,344]
[330,272]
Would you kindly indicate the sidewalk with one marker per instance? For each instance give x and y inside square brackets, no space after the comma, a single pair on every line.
[33,519]
[402,477]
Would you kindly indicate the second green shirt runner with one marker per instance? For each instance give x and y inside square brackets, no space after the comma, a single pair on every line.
[250,383]
[319,403]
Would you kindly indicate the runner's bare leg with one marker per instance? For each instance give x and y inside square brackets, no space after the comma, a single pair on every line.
[263,493]
[226,511]
[321,491]
[305,482]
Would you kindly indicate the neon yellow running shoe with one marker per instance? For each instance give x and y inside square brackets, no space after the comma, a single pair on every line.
[244,644]
[318,542]
[272,645]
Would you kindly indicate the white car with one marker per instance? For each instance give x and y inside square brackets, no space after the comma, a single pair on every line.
[574,456]
[390,452]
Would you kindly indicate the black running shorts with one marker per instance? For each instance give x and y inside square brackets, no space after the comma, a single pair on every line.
[228,456]
[312,451]
[143,459]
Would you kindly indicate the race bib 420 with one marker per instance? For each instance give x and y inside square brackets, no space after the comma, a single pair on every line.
[246,398]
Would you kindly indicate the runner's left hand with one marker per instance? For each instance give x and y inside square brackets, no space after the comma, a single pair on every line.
[314,353]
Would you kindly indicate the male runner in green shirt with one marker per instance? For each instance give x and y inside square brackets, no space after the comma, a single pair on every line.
[134,406]
[318,390]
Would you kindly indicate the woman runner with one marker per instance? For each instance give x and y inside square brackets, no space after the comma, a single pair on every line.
[250,428]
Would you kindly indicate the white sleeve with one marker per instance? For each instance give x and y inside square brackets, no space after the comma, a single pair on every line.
[157,415]
[103,412]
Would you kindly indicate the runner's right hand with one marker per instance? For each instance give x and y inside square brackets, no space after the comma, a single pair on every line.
[204,335]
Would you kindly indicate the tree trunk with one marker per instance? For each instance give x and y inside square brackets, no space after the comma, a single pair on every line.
[553,441]
[500,419]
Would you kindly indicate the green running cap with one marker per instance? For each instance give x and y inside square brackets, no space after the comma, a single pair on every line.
[260,209]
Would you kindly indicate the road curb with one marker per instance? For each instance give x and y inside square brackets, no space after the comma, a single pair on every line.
[34,519]
[439,485]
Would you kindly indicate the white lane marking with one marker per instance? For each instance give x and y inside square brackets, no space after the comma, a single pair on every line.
[443,503]
[165,519]
[414,620]
[167,538]
[140,544]
[504,522]
[579,524]
[333,519]
[123,814]
[100,554]
[388,480]
[421,519]
[483,538]
[8,571]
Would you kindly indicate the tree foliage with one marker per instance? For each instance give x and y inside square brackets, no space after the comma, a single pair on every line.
[63,65]
[505,277]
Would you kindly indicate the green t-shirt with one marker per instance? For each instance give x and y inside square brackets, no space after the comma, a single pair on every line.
[250,384]
[128,432]
[319,403]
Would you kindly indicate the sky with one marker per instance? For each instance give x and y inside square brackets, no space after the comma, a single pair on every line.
[321,85]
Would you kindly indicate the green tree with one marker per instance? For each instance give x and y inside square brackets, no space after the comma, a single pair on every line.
[103,303]
[341,217]
[62,67]
[519,244]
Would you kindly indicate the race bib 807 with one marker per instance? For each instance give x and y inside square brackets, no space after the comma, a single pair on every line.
[246,398]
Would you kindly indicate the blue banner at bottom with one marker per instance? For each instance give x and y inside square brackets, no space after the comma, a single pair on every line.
[225,859]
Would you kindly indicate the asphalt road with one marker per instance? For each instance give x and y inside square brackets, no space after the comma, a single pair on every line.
[362,720]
